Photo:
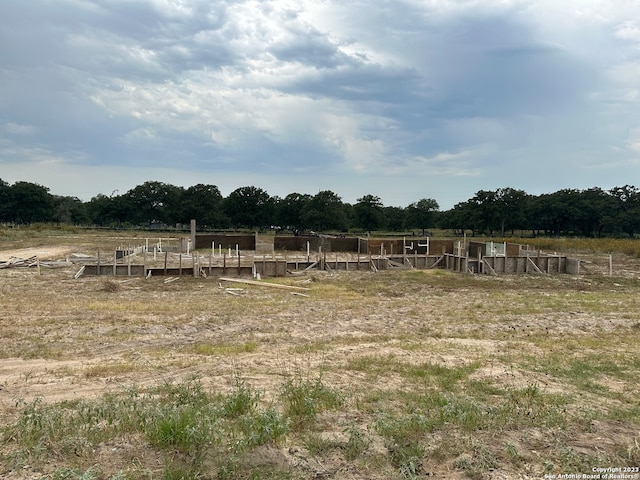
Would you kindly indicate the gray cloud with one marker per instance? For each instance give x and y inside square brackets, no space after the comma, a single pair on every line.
[466,94]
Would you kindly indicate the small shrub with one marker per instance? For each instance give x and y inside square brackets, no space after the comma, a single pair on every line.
[110,286]
[357,443]
[242,401]
[304,399]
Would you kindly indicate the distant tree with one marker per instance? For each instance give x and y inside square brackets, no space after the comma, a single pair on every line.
[369,212]
[249,207]
[556,211]
[485,211]
[420,214]
[460,218]
[153,202]
[70,210]
[626,213]
[204,203]
[326,211]
[394,218]
[593,207]
[289,212]
[104,210]
[7,207]
[511,209]
[32,203]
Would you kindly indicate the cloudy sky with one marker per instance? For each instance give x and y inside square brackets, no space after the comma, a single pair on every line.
[404,99]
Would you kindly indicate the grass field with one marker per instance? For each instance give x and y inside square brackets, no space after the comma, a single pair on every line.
[389,375]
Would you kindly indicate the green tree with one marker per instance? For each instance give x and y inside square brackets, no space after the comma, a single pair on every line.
[593,207]
[626,213]
[394,218]
[205,204]
[369,212]
[249,207]
[104,210]
[460,218]
[555,212]
[153,202]
[70,210]
[32,203]
[7,207]
[511,209]
[289,212]
[325,211]
[420,214]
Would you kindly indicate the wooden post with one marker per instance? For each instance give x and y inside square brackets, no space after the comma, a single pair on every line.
[179,264]
[466,261]
[129,266]
[165,262]
[404,250]
[193,233]
[210,261]
[144,263]
[115,259]
[610,265]
[224,262]
[238,252]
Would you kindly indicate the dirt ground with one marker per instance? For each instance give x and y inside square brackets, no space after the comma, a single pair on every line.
[65,339]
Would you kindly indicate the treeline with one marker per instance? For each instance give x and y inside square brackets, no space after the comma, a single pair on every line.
[590,213]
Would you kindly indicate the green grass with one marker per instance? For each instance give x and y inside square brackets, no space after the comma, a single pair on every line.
[184,423]
[304,398]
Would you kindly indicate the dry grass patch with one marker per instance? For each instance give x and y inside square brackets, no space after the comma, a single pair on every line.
[404,374]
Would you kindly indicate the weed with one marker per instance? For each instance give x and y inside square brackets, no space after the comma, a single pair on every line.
[267,427]
[110,286]
[404,439]
[511,451]
[477,461]
[62,473]
[317,445]
[357,443]
[241,401]
[303,399]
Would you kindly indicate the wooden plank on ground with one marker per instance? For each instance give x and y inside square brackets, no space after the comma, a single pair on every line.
[263,284]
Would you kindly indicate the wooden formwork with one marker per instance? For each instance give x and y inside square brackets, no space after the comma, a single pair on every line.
[280,266]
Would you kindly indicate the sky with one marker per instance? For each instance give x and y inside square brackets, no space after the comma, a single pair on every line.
[403,100]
